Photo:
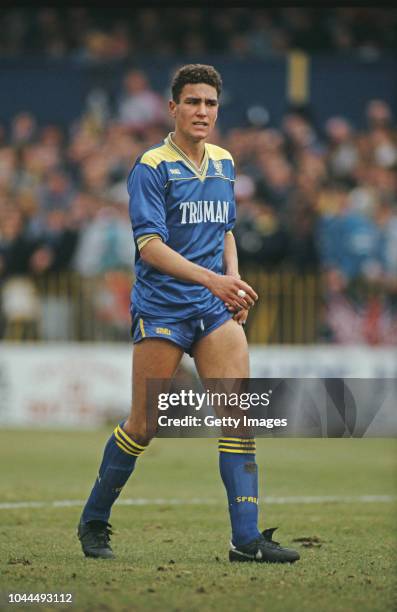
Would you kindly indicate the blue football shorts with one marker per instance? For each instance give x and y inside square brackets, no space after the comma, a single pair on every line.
[183,333]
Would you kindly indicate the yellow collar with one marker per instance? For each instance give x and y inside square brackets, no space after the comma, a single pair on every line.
[201,171]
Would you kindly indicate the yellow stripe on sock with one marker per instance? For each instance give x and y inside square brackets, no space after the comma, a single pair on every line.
[243,440]
[237,444]
[129,440]
[252,443]
[247,451]
[130,449]
[125,449]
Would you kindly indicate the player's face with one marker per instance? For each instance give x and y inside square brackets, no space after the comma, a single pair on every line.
[196,112]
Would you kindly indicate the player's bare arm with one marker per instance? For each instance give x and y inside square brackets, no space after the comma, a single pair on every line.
[230,262]
[230,258]
[168,261]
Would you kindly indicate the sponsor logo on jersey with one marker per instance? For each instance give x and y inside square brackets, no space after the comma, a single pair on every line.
[204,211]
[175,171]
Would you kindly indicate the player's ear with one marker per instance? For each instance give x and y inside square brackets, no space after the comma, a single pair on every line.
[172,108]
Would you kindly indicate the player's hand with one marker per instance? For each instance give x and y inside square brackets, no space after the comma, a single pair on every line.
[227,287]
[241,316]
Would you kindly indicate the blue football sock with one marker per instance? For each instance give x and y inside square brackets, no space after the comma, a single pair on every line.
[119,457]
[239,473]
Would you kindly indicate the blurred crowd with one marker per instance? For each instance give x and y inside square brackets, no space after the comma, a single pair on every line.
[106,34]
[312,199]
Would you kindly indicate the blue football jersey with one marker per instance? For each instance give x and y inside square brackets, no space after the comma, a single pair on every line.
[190,209]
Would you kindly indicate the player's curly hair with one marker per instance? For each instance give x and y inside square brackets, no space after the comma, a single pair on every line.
[195,73]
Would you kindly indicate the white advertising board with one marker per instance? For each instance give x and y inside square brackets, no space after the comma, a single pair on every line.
[323,361]
[83,385]
[74,385]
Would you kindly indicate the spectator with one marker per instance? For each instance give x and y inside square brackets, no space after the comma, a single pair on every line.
[342,156]
[23,129]
[298,133]
[348,240]
[105,244]
[56,245]
[378,114]
[16,248]
[56,193]
[260,237]
[139,106]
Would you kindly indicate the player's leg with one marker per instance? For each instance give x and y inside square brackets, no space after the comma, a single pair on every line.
[223,353]
[152,358]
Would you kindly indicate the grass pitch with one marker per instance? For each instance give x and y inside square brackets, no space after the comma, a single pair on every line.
[172,555]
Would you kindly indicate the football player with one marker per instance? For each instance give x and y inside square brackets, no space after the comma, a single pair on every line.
[187,297]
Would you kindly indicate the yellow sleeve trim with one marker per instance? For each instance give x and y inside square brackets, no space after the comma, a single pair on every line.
[142,240]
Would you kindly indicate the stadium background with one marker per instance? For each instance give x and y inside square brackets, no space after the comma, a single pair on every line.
[308,112]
